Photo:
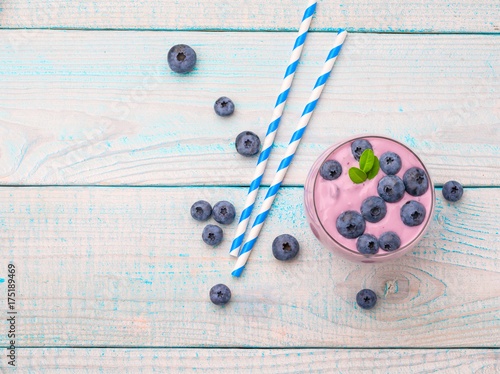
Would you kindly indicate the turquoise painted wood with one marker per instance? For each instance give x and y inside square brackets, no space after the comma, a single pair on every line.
[126,267]
[102,108]
[356,15]
[113,277]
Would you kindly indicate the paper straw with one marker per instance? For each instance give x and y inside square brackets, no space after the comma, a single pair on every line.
[272,129]
[290,152]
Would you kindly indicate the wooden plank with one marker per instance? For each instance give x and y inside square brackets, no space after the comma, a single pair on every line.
[275,361]
[103,108]
[359,15]
[126,267]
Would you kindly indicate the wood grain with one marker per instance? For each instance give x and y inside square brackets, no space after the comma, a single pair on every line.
[360,15]
[272,361]
[126,267]
[86,108]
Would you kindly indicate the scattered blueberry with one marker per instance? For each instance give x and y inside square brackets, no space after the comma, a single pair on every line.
[330,170]
[224,106]
[390,163]
[389,241]
[350,224]
[212,234]
[366,299]
[367,244]
[224,212]
[391,188]
[359,146]
[373,209]
[201,210]
[416,181]
[181,58]
[247,143]
[453,191]
[220,294]
[285,247]
[412,213]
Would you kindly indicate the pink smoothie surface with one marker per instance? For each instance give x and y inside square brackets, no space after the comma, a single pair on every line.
[334,197]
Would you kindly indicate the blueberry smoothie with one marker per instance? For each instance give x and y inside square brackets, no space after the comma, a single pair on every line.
[374,215]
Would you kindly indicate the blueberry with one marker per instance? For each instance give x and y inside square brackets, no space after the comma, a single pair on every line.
[367,244]
[412,213]
[390,163]
[350,224]
[201,210]
[373,209]
[453,191]
[389,241]
[212,234]
[224,212]
[330,170]
[285,247]
[181,58]
[416,181]
[391,188]
[224,106]
[366,299]
[247,143]
[359,146]
[220,294]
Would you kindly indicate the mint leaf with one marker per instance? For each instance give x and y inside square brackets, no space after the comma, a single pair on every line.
[366,160]
[375,168]
[357,175]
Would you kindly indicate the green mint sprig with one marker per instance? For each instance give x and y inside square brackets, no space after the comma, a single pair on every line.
[368,167]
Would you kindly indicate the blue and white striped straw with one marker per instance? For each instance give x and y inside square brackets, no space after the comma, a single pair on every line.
[272,129]
[290,152]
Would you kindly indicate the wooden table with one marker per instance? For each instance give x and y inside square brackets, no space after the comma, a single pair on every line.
[103,150]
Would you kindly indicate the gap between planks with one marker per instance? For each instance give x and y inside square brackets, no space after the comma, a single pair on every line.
[333,31]
[243,348]
[263,186]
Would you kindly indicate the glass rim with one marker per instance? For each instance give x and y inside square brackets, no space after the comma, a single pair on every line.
[428,218]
